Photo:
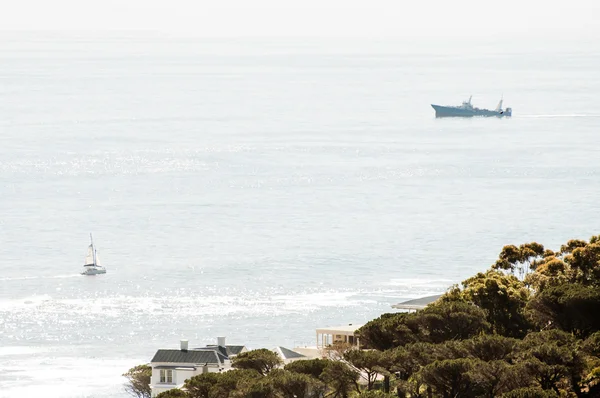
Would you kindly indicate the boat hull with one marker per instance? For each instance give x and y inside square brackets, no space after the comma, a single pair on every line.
[93,270]
[449,111]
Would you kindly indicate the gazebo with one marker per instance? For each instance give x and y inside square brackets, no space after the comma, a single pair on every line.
[345,334]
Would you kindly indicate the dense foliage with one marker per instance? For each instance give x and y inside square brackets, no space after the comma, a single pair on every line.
[529,327]
[538,336]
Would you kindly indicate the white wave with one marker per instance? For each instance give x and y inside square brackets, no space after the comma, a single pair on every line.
[559,115]
[409,288]
[21,278]
[34,300]
[22,350]
[66,376]
[190,305]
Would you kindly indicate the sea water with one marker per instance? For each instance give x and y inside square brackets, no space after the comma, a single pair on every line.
[259,189]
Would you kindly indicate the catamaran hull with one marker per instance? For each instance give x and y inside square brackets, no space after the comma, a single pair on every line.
[448,111]
[94,271]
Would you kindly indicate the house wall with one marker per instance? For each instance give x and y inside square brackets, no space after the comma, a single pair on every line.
[179,375]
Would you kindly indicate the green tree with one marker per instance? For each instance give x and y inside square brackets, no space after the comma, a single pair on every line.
[529,392]
[585,263]
[411,358]
[261,360]
[341,379]
[496,377]
[261,387]
[503,298]
[376,394]
[311,367]
[592,382]
[490,347]
[368,362]
[388,331]
[570,307]
[552,271]
[296,385]
[453,320]
[138,381]
[202,385]
[552,359]
[591,345]
[520,260]
[450,378]
[228,382]
[173,393]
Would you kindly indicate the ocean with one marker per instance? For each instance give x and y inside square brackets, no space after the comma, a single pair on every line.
[260,188]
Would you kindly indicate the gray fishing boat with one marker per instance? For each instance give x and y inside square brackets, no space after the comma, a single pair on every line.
[468,110]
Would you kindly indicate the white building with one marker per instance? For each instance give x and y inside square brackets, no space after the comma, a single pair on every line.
[172,367]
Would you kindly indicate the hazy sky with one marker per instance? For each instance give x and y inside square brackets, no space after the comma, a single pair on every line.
[452,18]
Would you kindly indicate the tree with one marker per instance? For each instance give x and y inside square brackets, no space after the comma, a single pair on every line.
[341,379]
[449,378]
[368,362]
[138,383]
[376,394]
[496,377]
[389,363]
[585,263]
[387,331]
[520,260]
[296,385]
[503,298]
[261,360]
[262,387]
[173,393]
[552,271]
[591,345]
[450,321]
[551,357]
[592,382]
[200,386]
[529,392]
[311,367]
[570,307]
[228,382]
[490,347]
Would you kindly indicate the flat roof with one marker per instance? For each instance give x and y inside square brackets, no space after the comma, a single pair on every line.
[417,304]
[351,328]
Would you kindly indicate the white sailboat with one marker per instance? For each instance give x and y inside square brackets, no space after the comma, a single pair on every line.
[91,265]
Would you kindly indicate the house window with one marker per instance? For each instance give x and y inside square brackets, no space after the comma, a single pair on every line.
[166,376]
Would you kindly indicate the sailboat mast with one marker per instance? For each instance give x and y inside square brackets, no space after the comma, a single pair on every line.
[93,249]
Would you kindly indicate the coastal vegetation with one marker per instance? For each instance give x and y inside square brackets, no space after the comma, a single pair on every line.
[528,327]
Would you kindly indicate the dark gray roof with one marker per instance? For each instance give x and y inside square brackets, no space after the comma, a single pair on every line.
[230,349]
[176,367]
[189,356]
[288,354]
[235,349]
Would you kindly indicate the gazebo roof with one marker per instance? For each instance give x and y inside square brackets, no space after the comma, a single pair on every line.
[417,304]
[344,329]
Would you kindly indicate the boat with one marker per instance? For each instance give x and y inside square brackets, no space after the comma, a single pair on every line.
[468,110]
[91,265]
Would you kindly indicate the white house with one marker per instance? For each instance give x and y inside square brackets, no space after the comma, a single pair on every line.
[172,367]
